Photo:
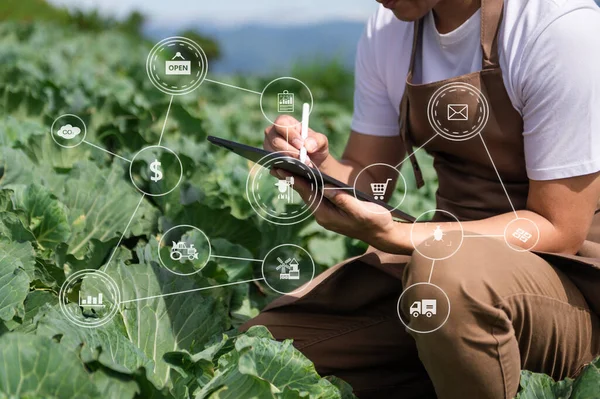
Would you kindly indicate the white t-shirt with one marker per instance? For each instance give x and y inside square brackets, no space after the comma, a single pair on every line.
[550,58]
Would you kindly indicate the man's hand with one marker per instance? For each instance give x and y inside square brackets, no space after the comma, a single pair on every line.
[285,135]
[342,213]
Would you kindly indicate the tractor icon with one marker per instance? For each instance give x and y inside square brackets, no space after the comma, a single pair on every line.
[180,251]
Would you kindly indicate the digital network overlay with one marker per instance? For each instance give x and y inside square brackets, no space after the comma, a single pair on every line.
[177,66]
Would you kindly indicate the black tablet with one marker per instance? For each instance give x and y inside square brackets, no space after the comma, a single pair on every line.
[258,155]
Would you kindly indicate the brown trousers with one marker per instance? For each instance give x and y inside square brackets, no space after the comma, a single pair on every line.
[509,311]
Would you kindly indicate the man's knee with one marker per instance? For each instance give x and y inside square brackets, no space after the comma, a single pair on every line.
[463,277]
[436,261]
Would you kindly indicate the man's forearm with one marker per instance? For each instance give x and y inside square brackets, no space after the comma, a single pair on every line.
[546,237]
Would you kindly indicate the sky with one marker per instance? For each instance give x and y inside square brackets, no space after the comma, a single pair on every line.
[232,12]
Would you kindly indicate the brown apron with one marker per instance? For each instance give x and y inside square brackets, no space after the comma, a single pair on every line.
[469,187]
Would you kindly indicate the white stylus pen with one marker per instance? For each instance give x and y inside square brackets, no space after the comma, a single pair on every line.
[305,113]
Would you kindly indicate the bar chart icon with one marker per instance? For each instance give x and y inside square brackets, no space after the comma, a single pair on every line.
[91,301]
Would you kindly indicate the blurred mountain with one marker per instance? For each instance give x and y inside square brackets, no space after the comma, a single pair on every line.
[261,50]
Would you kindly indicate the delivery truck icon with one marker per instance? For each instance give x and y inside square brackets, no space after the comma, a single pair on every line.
[173,67]
[427,307]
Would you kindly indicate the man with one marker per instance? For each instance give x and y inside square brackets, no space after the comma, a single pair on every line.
[528,153]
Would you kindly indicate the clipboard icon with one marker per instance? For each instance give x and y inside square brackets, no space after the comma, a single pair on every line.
[285,102]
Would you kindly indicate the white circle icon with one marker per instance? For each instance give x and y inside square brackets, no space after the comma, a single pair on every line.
[458,111]
[156,171]
[423,308]
[68,131]
[274,199]
[521,234]
[184,250]
[433,241]
[177,65]
[287,269]
[285,96]
[381,189]
[89,298]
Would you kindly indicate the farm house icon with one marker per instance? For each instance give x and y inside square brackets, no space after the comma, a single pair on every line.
[180,251]
[289,270]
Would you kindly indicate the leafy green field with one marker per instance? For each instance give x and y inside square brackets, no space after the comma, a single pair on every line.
[64,210]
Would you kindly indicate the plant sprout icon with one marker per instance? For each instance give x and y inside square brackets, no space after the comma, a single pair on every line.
[438,236]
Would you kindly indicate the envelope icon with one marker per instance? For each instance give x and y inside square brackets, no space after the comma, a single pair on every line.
[458,112]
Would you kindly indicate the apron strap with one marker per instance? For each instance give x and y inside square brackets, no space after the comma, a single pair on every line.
[491,16]
[404,109]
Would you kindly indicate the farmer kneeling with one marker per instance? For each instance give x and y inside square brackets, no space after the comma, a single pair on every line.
[505,95]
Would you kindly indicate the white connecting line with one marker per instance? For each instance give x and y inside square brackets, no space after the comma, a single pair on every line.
[499,178]
[124,231]
[192,290]
[235,258]
[166,119]
[233,87]
[105,150]
[431,273]
[143,195]
[482,235]
[493,165]
[415,151]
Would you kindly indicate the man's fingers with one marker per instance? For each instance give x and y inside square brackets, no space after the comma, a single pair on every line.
[302,187]
[352,205]
[340,199]
[311,145]
[277,143]
[289,128]
[326,213]
[316,142]
[288,122]
[285,136]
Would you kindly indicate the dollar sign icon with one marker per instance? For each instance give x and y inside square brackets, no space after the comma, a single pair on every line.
[155,168]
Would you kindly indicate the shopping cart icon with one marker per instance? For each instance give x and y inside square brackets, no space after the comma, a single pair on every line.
[379,189]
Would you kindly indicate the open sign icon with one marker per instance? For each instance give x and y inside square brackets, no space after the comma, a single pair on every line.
[178,67]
